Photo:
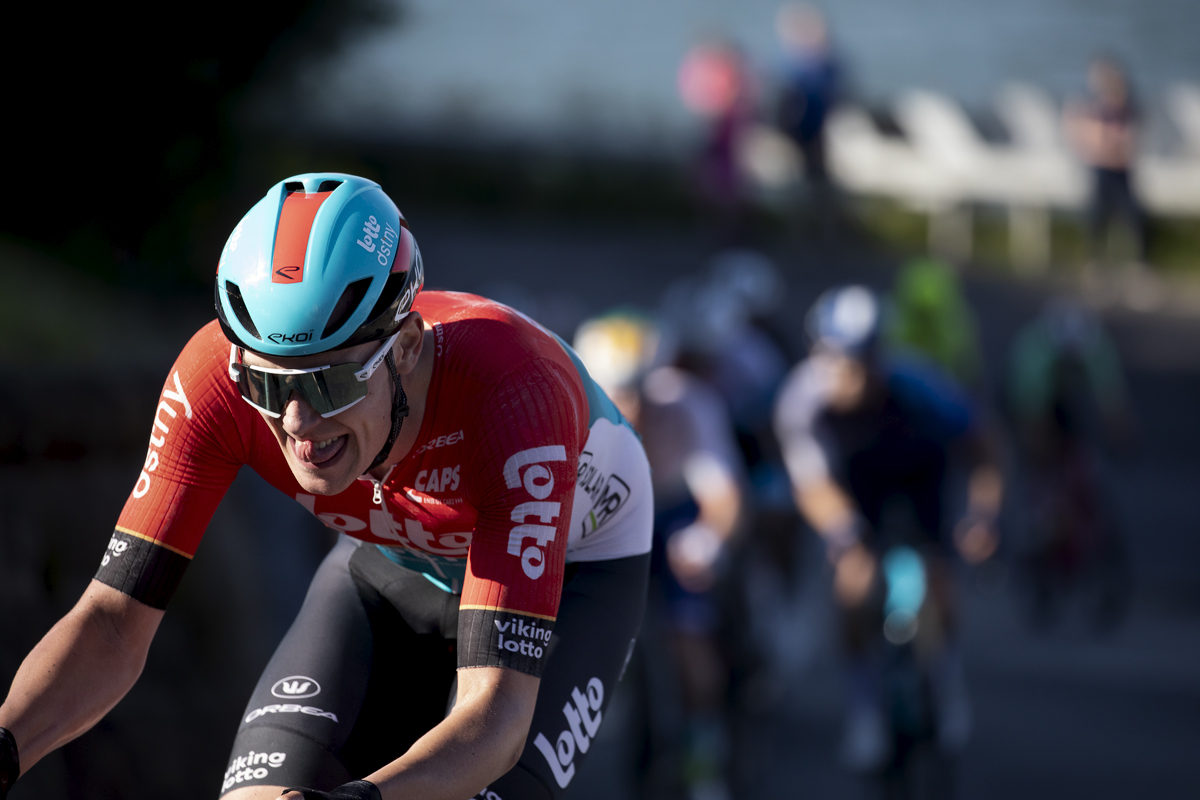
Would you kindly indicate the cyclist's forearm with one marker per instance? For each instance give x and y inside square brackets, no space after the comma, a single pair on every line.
[721,508]
[479,741]
[77,672]
[826,508]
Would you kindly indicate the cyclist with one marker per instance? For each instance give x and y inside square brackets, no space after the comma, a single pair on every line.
[468,628]
[1067,396]
[698,496]
[931,318]
[859,434]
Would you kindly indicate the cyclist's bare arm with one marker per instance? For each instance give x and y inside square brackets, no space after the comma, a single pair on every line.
[826,507]
[479,741]
[78,671]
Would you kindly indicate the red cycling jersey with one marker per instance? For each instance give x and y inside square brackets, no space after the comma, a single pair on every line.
[481,505]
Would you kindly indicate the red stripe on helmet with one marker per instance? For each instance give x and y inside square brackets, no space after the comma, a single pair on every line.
[291,235]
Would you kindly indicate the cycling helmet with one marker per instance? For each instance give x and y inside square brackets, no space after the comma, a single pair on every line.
[324,261]
[619,348]
[846,320]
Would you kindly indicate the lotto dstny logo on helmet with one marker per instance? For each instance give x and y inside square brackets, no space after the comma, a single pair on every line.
[295,687]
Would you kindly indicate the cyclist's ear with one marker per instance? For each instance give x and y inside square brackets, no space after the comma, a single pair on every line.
[410,342]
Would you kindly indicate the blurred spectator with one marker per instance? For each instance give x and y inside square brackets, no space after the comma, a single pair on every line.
[715,83]
[698,504]
[931,318]
[1103,130]
[812,85]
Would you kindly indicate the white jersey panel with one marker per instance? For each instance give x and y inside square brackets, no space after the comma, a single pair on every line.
[613,513]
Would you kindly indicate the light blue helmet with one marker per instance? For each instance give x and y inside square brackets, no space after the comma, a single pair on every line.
[324,261]
[846,320]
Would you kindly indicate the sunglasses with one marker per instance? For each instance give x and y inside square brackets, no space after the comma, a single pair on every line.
[329,390]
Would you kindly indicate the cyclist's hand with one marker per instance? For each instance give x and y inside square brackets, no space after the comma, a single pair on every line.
[692,554]
[853,575]
[976,538]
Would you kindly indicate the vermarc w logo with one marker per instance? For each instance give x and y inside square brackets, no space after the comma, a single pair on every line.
[295,687]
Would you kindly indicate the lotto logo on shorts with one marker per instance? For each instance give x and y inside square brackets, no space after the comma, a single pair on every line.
[581,729]
[251,767]
[539,483]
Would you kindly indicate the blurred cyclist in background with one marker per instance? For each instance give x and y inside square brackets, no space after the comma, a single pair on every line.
[930,318]
[861,434]
[1067,396]
[697,486]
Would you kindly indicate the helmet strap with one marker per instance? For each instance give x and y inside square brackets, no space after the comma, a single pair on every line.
[399,412]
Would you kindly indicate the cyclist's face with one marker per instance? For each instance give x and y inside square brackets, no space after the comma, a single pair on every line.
[326,455]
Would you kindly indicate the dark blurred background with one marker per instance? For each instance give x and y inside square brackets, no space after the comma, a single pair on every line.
[561,159]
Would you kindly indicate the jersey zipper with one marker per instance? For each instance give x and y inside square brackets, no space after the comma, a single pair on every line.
[377,491]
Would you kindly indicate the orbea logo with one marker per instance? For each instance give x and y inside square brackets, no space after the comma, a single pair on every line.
[538,482]
[295,687]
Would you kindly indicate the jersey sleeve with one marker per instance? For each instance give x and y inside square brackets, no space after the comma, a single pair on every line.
[196,447]
[522,481]
[801,399]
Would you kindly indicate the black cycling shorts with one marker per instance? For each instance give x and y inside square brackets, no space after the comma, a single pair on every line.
[369,666]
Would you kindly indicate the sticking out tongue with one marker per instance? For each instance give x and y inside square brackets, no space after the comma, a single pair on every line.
[309,452]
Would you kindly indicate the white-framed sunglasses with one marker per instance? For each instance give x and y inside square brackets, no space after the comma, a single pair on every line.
[330,389]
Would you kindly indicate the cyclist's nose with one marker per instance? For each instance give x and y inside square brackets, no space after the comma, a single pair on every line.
[298,416]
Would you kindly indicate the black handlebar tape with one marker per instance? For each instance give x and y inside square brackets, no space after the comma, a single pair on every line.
[354,790]
[10,764]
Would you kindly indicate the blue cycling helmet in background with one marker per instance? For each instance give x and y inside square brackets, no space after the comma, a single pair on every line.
[845,320]
[324,261]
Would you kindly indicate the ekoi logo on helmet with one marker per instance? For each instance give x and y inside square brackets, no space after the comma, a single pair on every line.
[282,338]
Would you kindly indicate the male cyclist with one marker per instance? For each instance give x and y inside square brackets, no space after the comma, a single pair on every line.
[862,437]
[697,484]
[469,626]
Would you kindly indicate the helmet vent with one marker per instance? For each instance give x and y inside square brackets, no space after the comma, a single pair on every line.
[234,292]
[391,290]
[293,186]
[328,186]
[347,303]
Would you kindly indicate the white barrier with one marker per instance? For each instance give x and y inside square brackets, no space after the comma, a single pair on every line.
[942,166]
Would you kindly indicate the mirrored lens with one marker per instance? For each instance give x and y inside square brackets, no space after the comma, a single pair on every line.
[328,391]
